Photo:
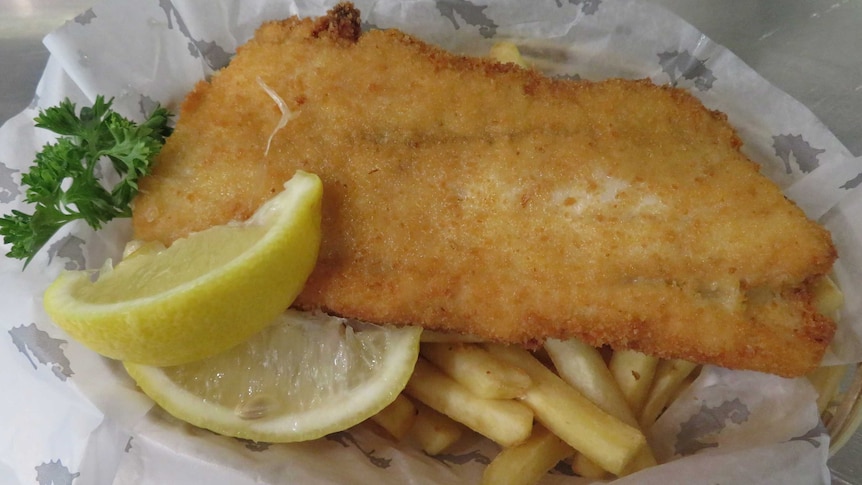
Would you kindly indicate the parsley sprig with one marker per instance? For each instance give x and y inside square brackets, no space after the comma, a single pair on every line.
[64,183]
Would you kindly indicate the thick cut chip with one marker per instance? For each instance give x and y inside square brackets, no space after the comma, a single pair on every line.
[469,196]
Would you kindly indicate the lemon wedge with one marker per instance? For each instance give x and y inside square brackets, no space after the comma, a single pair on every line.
[303,377]
[203,294]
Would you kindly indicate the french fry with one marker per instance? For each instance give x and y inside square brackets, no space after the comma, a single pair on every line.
[828,298]
[583,367]
[605,440]
[585,467]
[526,463]
[634,373]
[826,381]
[506,422]
[478,370]
[446,337]
[643,460]
[435,432]
[506,51]
[686,383]
[398,417]
[669,376]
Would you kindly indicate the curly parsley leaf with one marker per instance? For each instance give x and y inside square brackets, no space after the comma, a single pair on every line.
[63,183]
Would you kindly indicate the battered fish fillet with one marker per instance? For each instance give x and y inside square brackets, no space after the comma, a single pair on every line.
[467,196]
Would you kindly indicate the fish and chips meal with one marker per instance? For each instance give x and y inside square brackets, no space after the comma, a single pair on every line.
[572,251]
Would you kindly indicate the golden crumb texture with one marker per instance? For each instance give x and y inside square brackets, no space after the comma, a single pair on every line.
[468,196]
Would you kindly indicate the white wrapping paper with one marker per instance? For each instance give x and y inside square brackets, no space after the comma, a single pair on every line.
[74,417]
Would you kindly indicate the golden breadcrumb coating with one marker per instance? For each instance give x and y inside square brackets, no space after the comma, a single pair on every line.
[469,196]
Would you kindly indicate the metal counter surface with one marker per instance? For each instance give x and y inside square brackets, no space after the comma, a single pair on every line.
[811,49]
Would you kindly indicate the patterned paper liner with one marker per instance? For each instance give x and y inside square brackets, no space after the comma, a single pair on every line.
[153,51]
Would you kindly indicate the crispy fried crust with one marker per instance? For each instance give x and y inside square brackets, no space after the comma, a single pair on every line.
[468,196]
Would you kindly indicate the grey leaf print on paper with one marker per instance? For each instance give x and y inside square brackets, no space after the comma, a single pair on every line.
[54,473]
[794,147]
[682,65]
[147,104]
[8,188]
[254,445]
[471,13]
[346,439]
[696,433]
[463,458]
[46,350]
[853,183]
[812,436]
[588,7]
[70,248]
[215,57]
[85,17]
[366,26]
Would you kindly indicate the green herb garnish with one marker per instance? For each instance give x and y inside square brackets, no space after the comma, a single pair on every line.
[64,183]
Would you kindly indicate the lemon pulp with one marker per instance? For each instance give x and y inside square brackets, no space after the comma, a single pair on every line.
[302,377]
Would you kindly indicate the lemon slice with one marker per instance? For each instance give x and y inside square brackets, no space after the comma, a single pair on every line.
[203,294]
[304,376]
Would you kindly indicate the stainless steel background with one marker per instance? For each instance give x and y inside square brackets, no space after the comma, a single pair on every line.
[811,49]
